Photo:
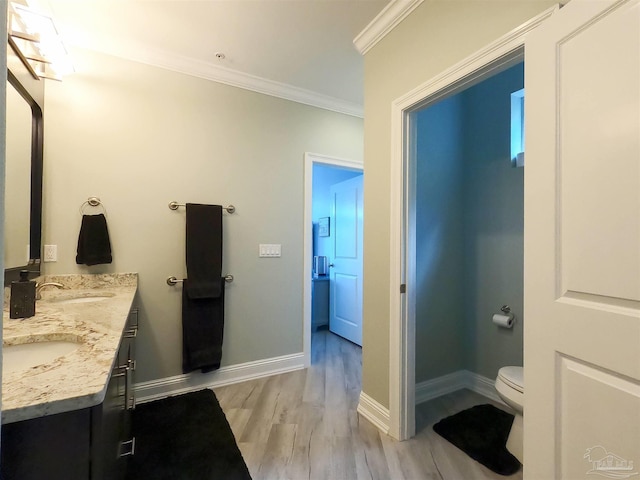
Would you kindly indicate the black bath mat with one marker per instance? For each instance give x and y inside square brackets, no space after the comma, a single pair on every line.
[186,437]
[481,432]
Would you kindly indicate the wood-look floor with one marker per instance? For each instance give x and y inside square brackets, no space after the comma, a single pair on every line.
[304,425]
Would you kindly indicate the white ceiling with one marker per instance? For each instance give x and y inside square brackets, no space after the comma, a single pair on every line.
[304,44]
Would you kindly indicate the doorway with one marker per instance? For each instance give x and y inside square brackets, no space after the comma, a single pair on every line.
[469,237]
[496,57]
[320,171]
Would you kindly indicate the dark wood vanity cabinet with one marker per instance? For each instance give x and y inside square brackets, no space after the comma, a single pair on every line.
[92,443]
[112,440]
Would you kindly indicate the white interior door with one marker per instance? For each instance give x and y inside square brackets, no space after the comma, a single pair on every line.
[582,243]
[345,295]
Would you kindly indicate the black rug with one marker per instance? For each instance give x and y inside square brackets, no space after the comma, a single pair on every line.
[186,437]
[481,432]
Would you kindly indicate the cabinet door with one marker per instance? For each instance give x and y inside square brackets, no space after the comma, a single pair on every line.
[107,423]
[55,447]
[112,440]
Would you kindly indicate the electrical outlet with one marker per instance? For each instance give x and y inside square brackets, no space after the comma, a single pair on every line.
[50,253]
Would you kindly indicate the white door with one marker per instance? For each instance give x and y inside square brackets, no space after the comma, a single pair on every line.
[582,243]
[345,294]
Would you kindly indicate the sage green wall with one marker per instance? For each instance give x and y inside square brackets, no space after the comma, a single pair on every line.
[139,137]
[435,36]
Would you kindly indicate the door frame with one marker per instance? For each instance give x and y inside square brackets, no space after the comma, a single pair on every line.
[494,58]
[310,159]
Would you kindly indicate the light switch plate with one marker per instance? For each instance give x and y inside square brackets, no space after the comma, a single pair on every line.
[269,250]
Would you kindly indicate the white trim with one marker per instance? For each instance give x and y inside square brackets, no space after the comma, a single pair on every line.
[479,61]
[496,56]
[377,414]
[235,78]
[307,248]
[385,21]
[437,387]
[482,385]
[147,391]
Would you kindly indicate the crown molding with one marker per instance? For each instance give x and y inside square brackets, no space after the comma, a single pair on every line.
[385,21]
[235,78]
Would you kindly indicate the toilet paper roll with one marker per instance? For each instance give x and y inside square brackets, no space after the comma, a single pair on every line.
[503,320]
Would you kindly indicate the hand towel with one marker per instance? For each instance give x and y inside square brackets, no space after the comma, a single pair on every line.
[202,330]
[204,250]
[94,246]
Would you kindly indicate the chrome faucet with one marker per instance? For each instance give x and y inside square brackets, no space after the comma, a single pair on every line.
[40,286]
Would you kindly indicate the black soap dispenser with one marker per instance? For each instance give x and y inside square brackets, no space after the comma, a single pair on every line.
[22,303]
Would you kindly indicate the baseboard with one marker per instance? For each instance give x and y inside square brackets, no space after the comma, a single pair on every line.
[373,411]
[164,387]
[437,387]
[483,385]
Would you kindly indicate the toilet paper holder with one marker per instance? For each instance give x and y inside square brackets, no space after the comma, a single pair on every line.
[504,319]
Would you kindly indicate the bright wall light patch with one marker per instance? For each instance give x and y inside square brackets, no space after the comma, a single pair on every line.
[517,128]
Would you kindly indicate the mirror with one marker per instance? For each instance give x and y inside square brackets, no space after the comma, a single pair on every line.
[17,194]
[23,171]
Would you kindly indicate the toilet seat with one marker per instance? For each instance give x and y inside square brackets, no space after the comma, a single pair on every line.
[512,377]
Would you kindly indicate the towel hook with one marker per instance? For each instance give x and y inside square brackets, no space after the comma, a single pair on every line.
[92,202]
[171,281]
[174,206]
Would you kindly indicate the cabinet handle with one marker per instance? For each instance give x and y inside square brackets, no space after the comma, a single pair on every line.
[131,333]
[127,448]
[128,388]
[129,399]
[134,315]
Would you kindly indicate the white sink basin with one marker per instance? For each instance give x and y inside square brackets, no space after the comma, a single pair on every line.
[82,298]
[24,354]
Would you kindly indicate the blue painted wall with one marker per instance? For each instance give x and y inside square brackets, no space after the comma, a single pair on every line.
[439,240]
[469,232]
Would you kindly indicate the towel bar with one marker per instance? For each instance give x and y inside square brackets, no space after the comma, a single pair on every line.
[171,281]
[174,206]
[93,202]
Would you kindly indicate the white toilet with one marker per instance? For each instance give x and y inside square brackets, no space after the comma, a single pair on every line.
[510,387]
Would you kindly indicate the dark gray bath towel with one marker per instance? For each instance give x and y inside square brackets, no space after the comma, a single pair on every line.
[204,250]
[94,246]
[202,329]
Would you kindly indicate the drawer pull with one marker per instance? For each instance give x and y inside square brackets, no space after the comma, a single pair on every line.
[127,448]
[133,318]
[131,333]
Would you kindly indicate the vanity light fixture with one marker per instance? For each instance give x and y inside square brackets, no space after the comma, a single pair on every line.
[36,41]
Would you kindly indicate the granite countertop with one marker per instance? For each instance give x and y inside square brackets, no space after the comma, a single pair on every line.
[79,379]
